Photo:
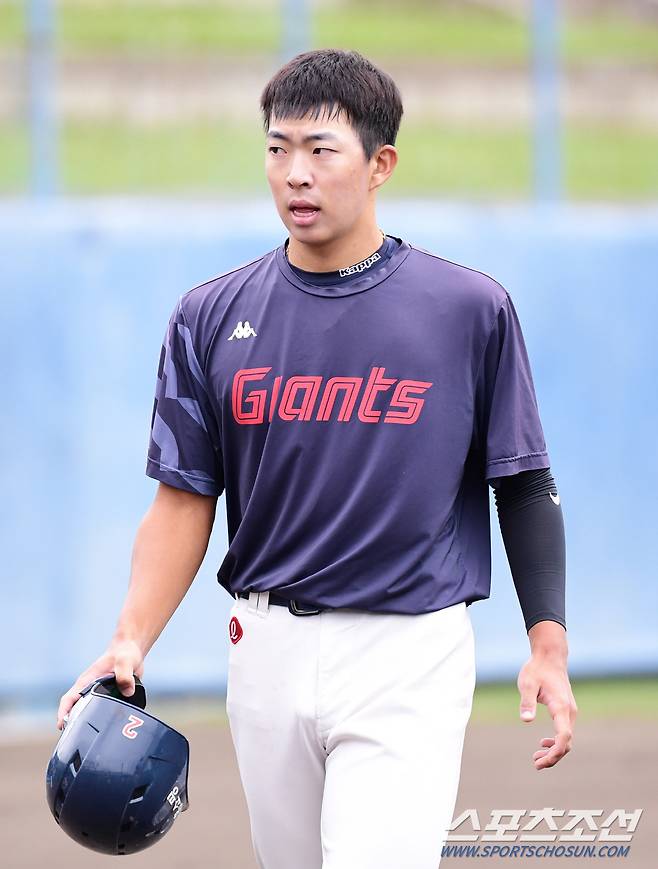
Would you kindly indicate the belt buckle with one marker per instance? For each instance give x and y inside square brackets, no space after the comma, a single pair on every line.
[293,607]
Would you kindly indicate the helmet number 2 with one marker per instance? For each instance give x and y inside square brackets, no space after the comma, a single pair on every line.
[130,729]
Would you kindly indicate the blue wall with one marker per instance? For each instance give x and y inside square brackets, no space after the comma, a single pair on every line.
[87,288]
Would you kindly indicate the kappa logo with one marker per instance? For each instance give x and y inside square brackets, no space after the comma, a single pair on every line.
[130,729]
[359,267]
[555,499]
[243,330]
[234,630]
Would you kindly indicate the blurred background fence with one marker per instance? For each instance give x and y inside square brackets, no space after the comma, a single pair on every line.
[161,95]
[131,168]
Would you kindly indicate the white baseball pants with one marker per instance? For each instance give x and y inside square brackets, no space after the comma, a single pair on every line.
[348,729]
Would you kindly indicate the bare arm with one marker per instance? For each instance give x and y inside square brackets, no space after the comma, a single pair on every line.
[169,547]
[544,678]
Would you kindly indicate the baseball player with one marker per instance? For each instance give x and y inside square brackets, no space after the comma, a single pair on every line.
[354,396]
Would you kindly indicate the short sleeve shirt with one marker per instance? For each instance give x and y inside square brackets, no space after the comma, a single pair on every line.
[352,425]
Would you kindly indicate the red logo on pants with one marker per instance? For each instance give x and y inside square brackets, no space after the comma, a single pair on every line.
[234,630]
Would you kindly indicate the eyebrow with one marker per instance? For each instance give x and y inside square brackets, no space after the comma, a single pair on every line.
[320,136]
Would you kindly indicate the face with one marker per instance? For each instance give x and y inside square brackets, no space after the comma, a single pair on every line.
[322,184]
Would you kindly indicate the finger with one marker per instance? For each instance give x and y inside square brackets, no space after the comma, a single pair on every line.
[546,746]
[72,696]
[528,706]
[561,722]
[554,754]
[67,703]
[546,762]
[561,743]
[124,676]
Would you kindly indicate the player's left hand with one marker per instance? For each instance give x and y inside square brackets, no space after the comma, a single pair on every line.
[544,679]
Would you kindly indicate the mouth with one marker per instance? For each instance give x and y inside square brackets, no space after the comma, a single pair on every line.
[304,215]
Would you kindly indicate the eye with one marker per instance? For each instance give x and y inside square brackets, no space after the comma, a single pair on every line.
[274,148]
[329,150]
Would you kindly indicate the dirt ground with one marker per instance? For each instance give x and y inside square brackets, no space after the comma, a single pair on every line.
[612,765]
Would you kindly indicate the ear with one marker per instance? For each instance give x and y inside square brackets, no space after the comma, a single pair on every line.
[383,162]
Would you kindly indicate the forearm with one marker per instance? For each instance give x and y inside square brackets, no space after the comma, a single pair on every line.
[169,547]
[532,528]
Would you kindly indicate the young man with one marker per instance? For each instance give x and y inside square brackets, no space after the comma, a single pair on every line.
[354,396]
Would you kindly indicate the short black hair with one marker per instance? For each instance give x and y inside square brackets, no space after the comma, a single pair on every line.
[334,80]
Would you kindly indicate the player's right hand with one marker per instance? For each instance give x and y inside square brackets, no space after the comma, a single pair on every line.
[123,658]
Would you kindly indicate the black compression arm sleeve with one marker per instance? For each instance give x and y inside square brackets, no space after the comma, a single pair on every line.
[532,527]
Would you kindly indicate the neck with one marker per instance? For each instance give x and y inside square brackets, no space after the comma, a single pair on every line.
[335,254]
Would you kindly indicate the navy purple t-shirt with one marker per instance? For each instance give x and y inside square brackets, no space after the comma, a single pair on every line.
[354,421]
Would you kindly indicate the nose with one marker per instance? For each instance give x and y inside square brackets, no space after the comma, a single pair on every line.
[299,172]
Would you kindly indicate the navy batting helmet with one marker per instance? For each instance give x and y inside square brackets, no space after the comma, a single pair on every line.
[117,778]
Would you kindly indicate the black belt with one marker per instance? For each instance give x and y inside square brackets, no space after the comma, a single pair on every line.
[296,607]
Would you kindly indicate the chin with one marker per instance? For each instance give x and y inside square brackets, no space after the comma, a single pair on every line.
[308,235]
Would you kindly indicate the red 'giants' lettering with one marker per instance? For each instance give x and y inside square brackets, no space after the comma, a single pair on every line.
[305,397]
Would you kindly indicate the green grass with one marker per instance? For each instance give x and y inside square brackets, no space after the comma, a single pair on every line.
[611,38]
[14,159]
[198,158]
[472,162]
[601,163]
[444,34]
[410,29]
[11,23]
[633,697]
[148,28]
[494,703]
[611,163]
